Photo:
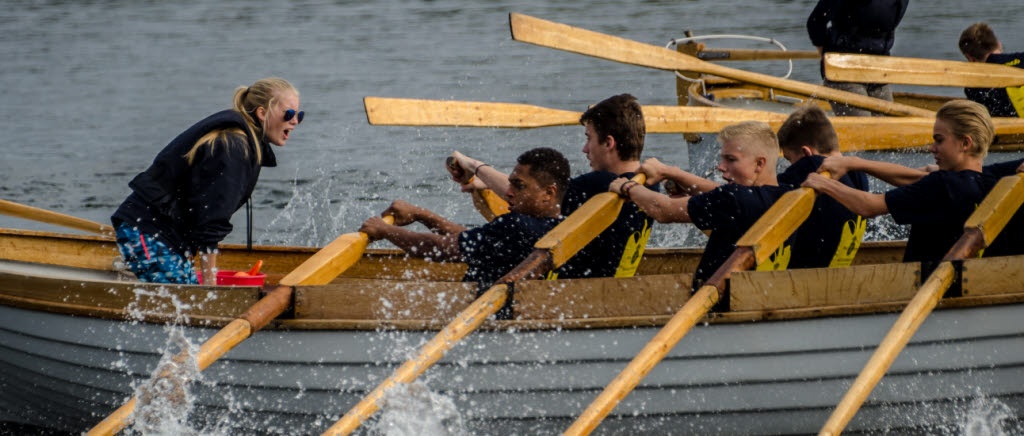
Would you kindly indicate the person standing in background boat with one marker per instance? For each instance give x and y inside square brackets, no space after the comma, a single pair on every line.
[832,233]
[182,204]
[855,26]
[749,154]
[935,205]
[978,43]
[535,190]
[615,132]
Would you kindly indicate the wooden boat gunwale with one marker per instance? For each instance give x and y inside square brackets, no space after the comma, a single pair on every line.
[679,280]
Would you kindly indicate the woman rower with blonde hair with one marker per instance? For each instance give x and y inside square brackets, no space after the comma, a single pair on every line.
[182,204]
[935,204]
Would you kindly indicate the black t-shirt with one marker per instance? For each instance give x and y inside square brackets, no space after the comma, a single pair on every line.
[936,207]
[818,238]
[616,252]
[495,248]
[997,100]
[1011,239]
[728,211]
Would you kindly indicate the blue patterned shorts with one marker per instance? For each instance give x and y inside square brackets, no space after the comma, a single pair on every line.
[151,260]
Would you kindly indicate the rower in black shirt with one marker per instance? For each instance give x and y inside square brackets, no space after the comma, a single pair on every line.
[749,154]
[978,43]
[615,132]
[935,205]
[536,187]
[832,233]
[1011,240]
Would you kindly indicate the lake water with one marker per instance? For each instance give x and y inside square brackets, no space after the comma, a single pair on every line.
[93,90]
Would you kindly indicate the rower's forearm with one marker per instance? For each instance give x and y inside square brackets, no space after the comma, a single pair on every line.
[893,174]
[862,203]
[691,184]
[495,180]
[661,207]
[437,223]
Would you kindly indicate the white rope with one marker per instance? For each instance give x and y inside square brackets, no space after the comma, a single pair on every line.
[677,41]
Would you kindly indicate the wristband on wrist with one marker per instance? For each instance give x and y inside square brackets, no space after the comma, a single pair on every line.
[626,188]
[477,169]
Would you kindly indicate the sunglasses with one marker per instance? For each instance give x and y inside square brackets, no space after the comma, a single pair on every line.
[290,113]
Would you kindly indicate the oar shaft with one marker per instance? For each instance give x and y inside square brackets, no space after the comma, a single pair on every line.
[899,335]
[211,350]
[320,268]
[681,323]
[467,321]
[45,216]
[981,228]
[695,308]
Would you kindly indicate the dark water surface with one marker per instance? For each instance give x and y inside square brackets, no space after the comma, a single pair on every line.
[93,90]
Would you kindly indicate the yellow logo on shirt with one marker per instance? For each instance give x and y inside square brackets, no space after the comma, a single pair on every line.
[778,261]
[633,252]
[849,242]
[1016,95]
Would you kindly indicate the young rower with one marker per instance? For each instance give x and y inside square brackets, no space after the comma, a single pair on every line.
[615,131]
[936,204]
[832,233]
[749,154]
[978,43]
[535,191]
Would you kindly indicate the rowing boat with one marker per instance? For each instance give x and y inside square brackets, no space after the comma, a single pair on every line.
[78,335]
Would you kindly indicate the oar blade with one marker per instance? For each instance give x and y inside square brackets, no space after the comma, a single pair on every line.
[573,39]
[998,207]
[412,112]
[778,222]
[843,67]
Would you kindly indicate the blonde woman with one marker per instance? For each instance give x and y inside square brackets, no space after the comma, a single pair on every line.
[935,204]
[182,204]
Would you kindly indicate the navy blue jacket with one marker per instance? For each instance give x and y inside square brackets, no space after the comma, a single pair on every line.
[855,26]
[189,207]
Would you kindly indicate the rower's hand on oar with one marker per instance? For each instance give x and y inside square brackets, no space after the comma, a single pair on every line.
[837,166]
[403,212]
[461,174]
[375,228]
[655,171]
[816,182]
[617,185]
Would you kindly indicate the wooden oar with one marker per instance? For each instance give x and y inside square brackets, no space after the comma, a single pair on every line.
[855,133]
[42,215]
[740,54]
[756,245]
[577,40]
[912,71]
[979,231]
[319,269]
[550,252]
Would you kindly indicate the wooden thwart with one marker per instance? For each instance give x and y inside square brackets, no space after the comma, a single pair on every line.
[842,67]
[980,230]
[577,40]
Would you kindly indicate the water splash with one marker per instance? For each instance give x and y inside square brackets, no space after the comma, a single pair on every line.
[987,417]
[412,410]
